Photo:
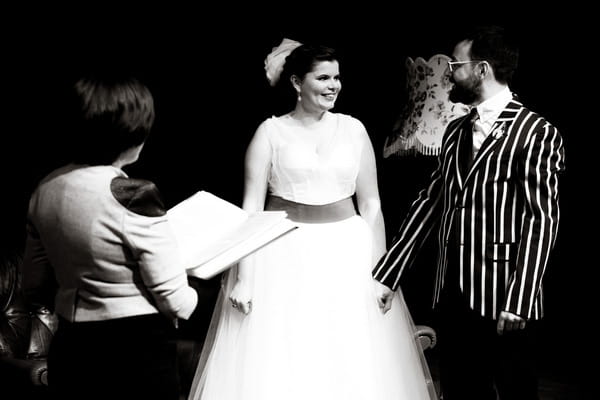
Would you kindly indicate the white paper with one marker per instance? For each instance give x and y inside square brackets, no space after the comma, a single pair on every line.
[213,234]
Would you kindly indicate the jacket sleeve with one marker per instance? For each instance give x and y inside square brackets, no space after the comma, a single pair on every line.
[422,217]
[147,231]
[541,163]
[39,283]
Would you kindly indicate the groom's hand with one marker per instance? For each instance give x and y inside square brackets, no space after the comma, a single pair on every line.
[384,296]
[508,321]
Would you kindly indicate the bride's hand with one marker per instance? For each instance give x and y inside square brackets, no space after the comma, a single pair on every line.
[240,297]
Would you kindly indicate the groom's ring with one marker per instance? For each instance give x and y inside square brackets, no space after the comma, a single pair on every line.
[233,305]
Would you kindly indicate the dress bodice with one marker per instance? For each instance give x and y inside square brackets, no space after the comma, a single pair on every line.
[315,170]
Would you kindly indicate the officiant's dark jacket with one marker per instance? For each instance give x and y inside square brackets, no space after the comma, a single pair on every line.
[106,241]
[498,218]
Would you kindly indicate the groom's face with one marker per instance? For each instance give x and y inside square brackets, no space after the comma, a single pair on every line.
[467,83]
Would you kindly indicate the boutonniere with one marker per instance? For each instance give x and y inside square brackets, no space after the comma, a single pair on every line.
[499,132]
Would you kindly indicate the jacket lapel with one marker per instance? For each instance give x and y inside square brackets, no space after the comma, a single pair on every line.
[500,130]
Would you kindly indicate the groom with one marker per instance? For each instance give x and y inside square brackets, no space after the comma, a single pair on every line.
[494,197]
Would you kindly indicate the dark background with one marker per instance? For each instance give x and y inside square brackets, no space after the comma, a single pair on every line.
[205,69]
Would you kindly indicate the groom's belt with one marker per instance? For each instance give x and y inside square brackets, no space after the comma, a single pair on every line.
[312,214]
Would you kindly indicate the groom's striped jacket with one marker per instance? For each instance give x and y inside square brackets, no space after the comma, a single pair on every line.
[504,209]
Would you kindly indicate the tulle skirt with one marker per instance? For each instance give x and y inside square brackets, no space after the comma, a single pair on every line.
[315,330]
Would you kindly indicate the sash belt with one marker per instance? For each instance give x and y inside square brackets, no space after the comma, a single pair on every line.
[313,214]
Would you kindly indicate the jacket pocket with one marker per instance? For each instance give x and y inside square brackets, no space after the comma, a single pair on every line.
[499,251]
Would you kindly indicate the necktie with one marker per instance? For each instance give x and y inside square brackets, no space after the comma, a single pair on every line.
[467,144]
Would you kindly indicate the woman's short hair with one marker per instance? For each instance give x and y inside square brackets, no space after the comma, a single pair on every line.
[112,115]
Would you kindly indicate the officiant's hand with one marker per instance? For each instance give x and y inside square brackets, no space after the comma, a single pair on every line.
[384,296]
[241,296]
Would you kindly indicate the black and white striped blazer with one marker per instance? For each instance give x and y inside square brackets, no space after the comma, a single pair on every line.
[505,210]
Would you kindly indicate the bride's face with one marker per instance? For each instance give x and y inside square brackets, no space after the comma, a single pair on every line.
[320,87]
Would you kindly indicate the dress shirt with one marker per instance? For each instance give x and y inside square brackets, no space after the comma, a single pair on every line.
[489,111]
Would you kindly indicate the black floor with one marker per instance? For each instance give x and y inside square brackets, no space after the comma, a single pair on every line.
[559,379]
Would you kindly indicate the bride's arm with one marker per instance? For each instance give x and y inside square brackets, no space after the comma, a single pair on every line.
[367,198]
[256,173]
[369,206]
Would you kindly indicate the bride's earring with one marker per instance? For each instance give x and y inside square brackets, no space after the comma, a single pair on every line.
[299,98]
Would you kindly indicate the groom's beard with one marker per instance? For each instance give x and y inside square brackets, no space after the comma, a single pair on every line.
[466,92]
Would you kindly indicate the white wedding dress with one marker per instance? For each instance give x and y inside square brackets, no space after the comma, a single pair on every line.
[315,331]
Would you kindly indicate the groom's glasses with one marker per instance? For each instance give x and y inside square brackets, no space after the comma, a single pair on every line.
[454,65]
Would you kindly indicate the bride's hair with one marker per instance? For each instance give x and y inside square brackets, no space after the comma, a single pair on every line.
[302,60]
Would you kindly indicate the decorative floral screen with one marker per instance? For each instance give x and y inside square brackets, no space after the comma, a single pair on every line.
[423,119]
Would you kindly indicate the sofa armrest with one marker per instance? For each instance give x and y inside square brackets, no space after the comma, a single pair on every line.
[427,336]
[34,371]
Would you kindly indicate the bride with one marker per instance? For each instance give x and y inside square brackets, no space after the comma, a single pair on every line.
[299,319]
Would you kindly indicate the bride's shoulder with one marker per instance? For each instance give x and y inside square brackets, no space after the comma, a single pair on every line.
[267,124]
[275,120]
[278,124]
[348,119]
[270,126]
[351,124]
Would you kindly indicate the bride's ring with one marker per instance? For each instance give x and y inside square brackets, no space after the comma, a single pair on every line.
[233,305]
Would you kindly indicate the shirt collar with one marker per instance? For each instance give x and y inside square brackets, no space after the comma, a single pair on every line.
[490,109]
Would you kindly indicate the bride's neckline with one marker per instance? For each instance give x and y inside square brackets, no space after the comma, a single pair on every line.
[317,136]
[308,122]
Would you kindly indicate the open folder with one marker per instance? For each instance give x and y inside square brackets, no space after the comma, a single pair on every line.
[213,234]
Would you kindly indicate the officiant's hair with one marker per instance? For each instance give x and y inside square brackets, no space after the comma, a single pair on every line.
[111,114]
[303,58]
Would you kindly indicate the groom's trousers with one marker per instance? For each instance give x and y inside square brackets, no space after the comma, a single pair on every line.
[475,360]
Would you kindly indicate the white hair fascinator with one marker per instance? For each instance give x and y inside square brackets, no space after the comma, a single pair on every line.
[276,58]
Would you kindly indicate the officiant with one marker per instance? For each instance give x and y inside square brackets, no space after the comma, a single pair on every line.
[101,254]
